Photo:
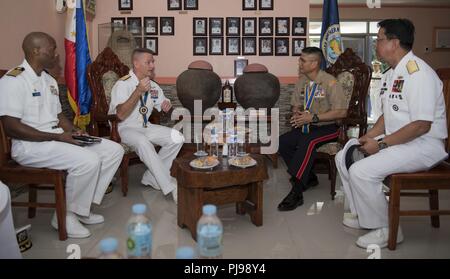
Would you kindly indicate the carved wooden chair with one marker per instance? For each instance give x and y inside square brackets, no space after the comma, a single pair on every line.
[34,179]
[355,77]
[433,180]
[102,74]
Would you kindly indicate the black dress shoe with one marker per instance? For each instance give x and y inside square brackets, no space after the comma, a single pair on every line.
[291,201]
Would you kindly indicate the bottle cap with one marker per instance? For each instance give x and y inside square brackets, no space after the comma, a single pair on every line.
[209,209]
[139,208]
[185,252]
[108,245]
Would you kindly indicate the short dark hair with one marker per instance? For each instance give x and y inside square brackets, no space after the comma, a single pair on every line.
[401,29]
[141,50]
[314,50]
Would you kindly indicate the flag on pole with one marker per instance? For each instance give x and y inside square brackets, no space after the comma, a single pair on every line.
[330,39]
[77,61]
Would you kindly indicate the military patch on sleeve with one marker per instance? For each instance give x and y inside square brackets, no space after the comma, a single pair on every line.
[412,67]
[15,72]
[333,82]
[125,77]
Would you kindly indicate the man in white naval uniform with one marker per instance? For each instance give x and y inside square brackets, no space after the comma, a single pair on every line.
[408,136]
[42,137]
[8,241]
[133,98]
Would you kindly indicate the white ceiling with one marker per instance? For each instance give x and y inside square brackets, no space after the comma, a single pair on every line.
[405,2]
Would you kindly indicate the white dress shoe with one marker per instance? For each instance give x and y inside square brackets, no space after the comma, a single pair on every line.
[351,220]
[73,227]
[92,219]
[379,237]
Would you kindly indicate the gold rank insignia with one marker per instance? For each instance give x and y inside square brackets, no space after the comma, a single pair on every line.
[125,77]
[15,72]
[412,67]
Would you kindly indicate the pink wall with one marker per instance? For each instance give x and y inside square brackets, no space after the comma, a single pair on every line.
[424,19]
[175,52]
[18,18]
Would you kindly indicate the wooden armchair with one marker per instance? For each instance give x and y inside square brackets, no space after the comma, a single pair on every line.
[355,77]
[34,178]
[102,74]
[433,180]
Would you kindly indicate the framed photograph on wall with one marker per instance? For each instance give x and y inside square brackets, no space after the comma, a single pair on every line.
[249,26]
[233,26]
[282,25]
[265,46]
[118,23]
[297,46]
[281,46]
[299,26]
[215,45]
[266,26]
[134,25]
[200,46]
[216,26]
[151,25]
[151,43]
[249,46]
[125,5]
[266,4]
[249,5]
[167,25]
[233,46]
[138,42]
[173,5]
[200,26]
[191,4]
[239,66]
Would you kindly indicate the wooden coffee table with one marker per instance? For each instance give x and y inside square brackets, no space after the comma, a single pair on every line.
[222,185]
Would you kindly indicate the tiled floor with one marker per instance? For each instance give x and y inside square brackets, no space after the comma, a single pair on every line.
[311,231]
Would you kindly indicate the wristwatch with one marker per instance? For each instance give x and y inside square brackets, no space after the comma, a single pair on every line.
[315,118]
[382,144]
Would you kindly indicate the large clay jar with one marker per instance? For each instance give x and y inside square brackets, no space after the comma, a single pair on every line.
[257,88]
[198,82]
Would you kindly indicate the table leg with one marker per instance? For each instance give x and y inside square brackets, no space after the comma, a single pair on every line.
[256,197]
[190,203]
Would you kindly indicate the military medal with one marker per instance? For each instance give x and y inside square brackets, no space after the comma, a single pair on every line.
[308,101]
[144,109]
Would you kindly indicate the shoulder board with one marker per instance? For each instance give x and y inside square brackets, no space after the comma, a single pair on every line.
[125,77]
[155,82]
[412,67]
[15,72]
[385,71]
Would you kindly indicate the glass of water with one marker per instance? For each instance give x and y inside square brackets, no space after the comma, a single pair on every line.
[241,149]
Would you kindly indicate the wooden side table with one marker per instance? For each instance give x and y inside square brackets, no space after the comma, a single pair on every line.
[222,185]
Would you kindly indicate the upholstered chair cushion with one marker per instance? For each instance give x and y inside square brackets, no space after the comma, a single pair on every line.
[331,148]
[347,80]
[109,79]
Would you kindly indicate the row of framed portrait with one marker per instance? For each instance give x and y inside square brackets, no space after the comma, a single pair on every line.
[127,5]
[268,46]
[265,27]
[150,26]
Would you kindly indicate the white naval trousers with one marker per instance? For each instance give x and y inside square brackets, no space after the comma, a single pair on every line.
[9,248]
[158,164]
[362,183]
[90,168]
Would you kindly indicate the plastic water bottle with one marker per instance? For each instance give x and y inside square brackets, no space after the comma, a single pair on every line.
[185,252]
[108,249]
[214,147]
[209,234]
[139,242]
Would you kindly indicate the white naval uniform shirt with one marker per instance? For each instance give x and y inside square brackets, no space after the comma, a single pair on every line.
[409,97]
[31,98]
[122,91]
